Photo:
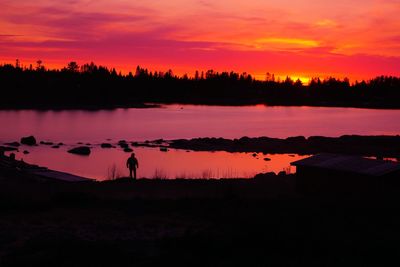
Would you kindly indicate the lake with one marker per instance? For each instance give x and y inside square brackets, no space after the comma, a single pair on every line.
[182,121]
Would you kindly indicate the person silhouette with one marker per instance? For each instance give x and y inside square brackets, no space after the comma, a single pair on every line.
[132,163]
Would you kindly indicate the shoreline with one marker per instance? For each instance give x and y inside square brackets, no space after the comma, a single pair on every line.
[383,146]
[386,146]
[160,104]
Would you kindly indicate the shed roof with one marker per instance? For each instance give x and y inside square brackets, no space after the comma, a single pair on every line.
[346,163]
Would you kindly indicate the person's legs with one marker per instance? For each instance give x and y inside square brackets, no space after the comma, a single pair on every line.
[130,172]
[134,172]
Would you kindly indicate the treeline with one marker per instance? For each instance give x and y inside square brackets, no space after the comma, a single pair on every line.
[93,86]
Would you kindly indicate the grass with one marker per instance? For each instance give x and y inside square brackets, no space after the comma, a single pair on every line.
[206,174]
[231,222]
[113,172]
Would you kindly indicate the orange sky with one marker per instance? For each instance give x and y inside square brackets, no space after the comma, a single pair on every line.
[355,38]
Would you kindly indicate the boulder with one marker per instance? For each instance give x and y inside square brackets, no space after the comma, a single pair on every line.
[128,149]
[267,159]
[163,149]
[14,144]
[296,139]
[46,143]
[26,152]
[106,145]
[56,146]
[29,140]
[264,176]
[8,148]
[123,145]
[82,150]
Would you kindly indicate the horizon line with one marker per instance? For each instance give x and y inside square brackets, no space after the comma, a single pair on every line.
[126,72]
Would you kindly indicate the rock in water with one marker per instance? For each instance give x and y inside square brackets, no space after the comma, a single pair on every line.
[128,149]
[46,143]
[8,148]
[30,140]
[123,144]
[14,144]
[82,150]
[106,145]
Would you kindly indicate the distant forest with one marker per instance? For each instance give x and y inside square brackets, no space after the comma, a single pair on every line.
[94,87]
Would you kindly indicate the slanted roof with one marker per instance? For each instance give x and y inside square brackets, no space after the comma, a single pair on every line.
[346,163]
[63,176]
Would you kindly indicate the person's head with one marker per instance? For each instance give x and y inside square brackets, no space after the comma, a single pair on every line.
[132,155]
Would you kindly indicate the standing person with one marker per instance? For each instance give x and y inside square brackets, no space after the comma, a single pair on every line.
[132,163]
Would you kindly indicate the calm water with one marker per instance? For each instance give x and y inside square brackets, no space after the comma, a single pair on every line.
[177,121]
[156,164]
[183,121]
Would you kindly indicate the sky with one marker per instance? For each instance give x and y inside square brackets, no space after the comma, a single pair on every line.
[359,39]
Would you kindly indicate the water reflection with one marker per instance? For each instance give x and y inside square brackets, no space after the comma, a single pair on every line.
[188,121]
[182,121]
[104,164]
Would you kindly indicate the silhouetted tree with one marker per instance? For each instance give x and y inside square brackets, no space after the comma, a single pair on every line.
[73,66]
[298,83]
[97,86]
[39,66]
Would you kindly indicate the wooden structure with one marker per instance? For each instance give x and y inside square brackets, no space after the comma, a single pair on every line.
[329,172]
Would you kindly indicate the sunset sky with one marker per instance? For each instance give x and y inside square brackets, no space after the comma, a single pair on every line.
[301,38]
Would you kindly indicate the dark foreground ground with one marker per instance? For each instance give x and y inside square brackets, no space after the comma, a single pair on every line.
[259,222]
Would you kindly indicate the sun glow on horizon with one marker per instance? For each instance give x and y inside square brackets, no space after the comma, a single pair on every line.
[131,68]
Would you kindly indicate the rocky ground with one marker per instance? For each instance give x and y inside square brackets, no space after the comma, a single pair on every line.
[373,146]
[378,146]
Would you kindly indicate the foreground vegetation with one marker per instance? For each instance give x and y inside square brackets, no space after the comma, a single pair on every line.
[94,87]
[259,222]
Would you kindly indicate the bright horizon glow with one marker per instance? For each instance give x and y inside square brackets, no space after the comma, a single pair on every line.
[300,39]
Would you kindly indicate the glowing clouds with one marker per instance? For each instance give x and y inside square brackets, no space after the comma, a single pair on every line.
[287,43]
[304,37]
